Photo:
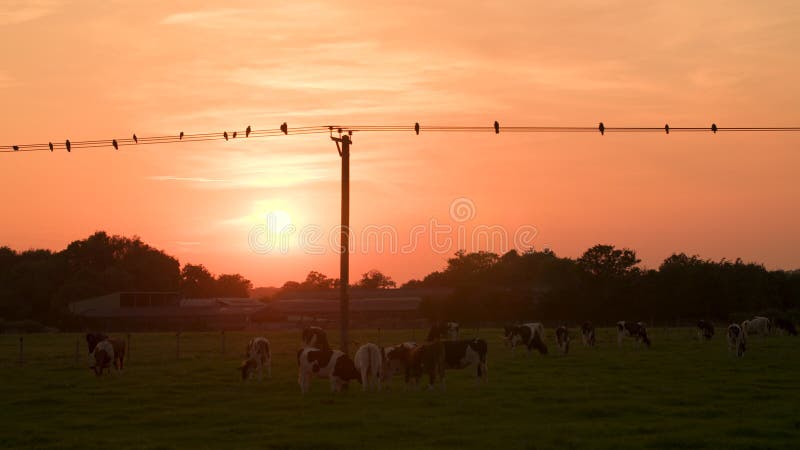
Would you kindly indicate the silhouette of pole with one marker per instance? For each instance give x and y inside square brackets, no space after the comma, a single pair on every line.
[344,259]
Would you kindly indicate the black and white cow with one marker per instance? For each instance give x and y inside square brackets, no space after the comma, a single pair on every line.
[93,339]
[705,330]
[562,339]
[334,365]
[258,356]
[587,334]
[737,339]
[530,334]
[464,353]
[102,356]
[370,364]
[637,330]
[315,337]
[785,325]
[443,330]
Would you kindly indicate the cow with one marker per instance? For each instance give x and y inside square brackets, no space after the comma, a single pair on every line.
[395,360]
[637,330]
[530,334]
[258,356]
[785,325]
[315,337]
[705,330]
[737,339]
[334,365]
[102,357]
[369,362]
[757,325]
[443,330]
[562,339]
[587,334]
[427,358]
[92,339]
[464,353]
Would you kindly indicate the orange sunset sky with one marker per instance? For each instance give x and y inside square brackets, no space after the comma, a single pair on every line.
[106,69]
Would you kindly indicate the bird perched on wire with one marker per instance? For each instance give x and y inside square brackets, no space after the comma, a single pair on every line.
[247,131]
[68,145]
[285,128]
[15,147]
[602,129]
[234,135]
[666,128]
[416,127]
[115,144]
[51,146]
[135,139]
[225,135]
[496,127]
[180,136]
[714,127]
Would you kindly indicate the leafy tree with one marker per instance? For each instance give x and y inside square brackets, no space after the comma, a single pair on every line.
[233,285]
[375,279]
[197,282]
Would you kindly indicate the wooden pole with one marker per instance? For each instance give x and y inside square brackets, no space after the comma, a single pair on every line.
[21,357]
[344,259]
[77,348]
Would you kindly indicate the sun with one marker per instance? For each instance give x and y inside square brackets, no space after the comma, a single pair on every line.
[278,220]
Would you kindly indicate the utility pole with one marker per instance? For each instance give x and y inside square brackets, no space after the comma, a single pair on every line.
[344,259]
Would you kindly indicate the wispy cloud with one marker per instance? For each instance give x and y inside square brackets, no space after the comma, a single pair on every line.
[208,18]
[18,11]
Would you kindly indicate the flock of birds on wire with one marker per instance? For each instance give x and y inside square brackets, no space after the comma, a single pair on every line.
[284,129]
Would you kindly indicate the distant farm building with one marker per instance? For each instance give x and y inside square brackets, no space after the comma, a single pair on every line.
[168,311]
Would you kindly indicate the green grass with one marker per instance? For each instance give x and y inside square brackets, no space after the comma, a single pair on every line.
[681,393]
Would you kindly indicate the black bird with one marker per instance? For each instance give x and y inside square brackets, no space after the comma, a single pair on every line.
[416,127]
[666,128]
[714,127]
[68,145]
[602,129]
[285,128]
[180,137]
[135,139]
[234,135]
[51,146]
[247,131]
[225,135]
[496,127]
[15,147]
[114,143]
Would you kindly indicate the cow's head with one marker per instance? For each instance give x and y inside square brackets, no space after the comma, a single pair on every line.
[247,368]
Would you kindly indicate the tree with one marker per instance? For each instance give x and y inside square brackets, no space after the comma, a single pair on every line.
[607,261]
[375,279]
[233,285]
[197,282]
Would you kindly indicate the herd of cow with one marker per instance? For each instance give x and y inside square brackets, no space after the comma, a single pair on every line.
[374,366]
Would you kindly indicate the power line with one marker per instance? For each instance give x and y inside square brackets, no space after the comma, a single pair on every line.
[320,129]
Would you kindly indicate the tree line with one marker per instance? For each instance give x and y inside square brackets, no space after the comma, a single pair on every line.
[40,284]
[606,284]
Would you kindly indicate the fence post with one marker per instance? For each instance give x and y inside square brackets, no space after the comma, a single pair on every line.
[223,342]
[178,345]
[21,358]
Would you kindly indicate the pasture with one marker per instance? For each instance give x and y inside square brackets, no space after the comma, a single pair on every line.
[679,393]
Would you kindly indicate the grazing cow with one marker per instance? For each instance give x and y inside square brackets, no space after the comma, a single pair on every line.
[92,339]
[369,363]
[529,334]
[315,337]
[427,358]
[258,356]
[757,325]
[562,339]
[331,364]
[464,353]
[443,330]
[737,339]
[785,325]
[705,330]
[587,334]
[102,357]
[637,330]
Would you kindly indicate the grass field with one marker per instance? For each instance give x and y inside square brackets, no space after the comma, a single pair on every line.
[680,393]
